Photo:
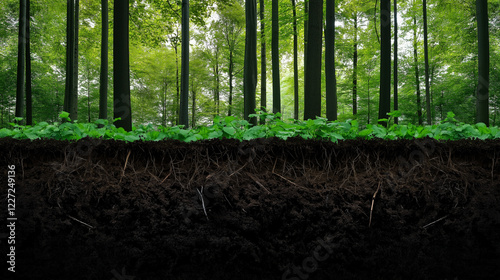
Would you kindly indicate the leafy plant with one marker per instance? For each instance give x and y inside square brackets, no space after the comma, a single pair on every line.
[233,128]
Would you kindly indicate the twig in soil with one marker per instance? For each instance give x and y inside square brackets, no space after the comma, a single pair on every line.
[430,224]
[284,178]
[227,200]
[373,202]
[202,201]
[239,169]
[258,183]
[168,175]
[81,222]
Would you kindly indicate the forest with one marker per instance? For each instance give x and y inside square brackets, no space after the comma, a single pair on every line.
[432,47]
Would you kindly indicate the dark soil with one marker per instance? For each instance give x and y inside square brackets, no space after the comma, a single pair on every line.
[262,209]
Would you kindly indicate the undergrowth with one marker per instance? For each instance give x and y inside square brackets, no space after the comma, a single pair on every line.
[233,128]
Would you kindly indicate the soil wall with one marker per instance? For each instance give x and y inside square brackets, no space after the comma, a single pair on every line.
[261,209]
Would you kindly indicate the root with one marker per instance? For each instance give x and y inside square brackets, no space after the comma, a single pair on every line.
[125,166]
[373,202]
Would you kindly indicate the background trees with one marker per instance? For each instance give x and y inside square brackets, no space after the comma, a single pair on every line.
[217,44]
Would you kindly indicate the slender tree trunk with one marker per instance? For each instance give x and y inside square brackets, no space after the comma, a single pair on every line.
[88,93]
[229,112]
[306,33]
[70,58]
[312,83]
[331,79]
[441,104]
[276,58]
[103,78]
[368,119]
[21,60]
[396,121]
[355,68]
[482,92]
[417,74]
[164,103]
[183,112]
[385,60]
[29,102]
[217,82]
[193,108]
[121,66]
[74,98]
[295,65]
[263,73]
[426,55]
[250,68]
[177,83]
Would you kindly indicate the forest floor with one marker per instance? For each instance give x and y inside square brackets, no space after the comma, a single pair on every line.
[260,209]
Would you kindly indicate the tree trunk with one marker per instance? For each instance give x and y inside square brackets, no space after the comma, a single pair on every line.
[396,59]
[70,58]
[250,68]
[355,69]
[426,55]
[29,105]
[73,113]
[306,33]
[417,75]
[385,60]
[88,92]
[312,83]
[177,82]
[295,65]
[331,79]
[263,73]
[193,107]
[275,58]
[229,112]
[21,60]
[121,66]
[183,111]
[103,78]
[482,92]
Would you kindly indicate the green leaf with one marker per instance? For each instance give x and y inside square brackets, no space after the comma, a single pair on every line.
[229,130]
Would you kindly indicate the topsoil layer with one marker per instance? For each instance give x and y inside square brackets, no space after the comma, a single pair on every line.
[261,209]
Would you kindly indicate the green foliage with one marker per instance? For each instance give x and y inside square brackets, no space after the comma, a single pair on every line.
[234,128]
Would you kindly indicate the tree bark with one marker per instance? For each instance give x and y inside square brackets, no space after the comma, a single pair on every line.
[355,68]
[231,68]
[417,74]
[482,92]
[21,60]
[70,58]
[250,68]
[275,58]
[312,83]
[426,55]
[263,73]
[396,59]
[385,60]
[103,78]
[121,66]
[331,79]
[183,111]
[29,105]
[295,65]
[73,113]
